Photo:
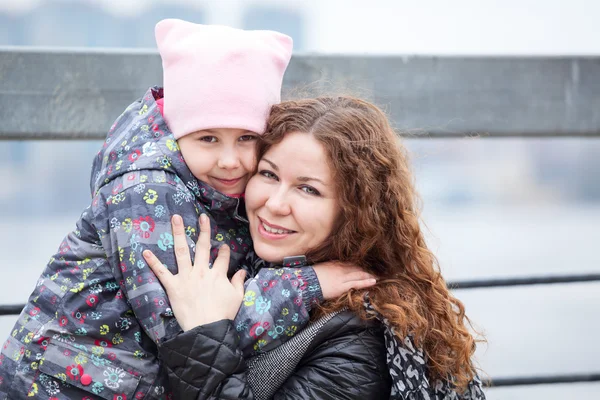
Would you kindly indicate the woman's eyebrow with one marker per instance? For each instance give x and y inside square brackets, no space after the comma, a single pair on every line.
[300,178]
[308,178]
[272,164]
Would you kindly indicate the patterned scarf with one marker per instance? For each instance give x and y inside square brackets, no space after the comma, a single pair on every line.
[408,369]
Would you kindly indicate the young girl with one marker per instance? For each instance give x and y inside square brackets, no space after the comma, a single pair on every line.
[90,328]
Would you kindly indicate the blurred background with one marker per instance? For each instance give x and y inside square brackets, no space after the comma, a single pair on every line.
[493,207]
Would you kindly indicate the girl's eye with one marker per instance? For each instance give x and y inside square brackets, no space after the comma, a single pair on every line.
[247,138]
[310,190]
[268,174]
[208,139]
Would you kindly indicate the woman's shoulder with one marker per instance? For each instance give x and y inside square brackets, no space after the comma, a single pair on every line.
[346,334]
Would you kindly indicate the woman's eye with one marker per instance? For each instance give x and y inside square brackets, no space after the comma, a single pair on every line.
[208,139]
[268,174]
[247,138]
[310,190]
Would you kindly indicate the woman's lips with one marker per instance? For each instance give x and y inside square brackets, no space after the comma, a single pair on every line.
[272,232]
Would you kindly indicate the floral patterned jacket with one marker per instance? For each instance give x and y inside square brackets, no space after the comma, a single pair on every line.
[91,326]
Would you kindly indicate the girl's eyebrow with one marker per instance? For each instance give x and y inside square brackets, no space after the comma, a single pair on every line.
[300,178]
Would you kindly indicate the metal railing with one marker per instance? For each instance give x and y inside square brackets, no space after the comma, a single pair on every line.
[74,93]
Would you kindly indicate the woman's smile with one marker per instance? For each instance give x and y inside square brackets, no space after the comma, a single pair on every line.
[273,232]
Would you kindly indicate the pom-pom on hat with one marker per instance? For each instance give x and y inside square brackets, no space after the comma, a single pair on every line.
[220,77]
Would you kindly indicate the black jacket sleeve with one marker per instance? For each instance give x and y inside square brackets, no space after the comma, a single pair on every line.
[205,363]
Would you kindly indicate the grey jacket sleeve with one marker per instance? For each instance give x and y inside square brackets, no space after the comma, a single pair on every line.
[275,306]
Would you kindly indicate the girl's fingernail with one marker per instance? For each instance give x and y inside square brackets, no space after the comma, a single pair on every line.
[146,253]
[203,218]
[177,220]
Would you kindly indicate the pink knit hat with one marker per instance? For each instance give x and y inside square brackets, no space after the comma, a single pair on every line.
[220,77]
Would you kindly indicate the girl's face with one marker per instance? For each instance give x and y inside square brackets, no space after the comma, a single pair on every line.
[291,201]
[224,158]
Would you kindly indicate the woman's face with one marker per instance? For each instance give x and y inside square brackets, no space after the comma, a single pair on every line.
[291,202]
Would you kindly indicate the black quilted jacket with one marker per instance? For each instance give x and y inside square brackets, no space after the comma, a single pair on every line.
[337,357]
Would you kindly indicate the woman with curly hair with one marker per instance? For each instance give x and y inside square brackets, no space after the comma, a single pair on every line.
[332,183]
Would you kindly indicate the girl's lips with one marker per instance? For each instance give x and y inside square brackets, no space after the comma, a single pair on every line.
[228,182]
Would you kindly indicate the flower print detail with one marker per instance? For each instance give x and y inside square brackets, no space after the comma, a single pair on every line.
[81,332]
[138,337]
[249,298]
[241,326]
[123,323]
[258,329]
[164,161]
[149,149]
[298,301]
[172,145]
[285,293]
[277,330]
[295,317]
[144,225]
[96,288]
[81,358]
[97,351]
[151,196]
[33,390]
[112,286]
[285,312]
[102,343]
[140,188]
[291,330]
[97,388]
[190,231]
[34,312]
[219,237]
[115,225]
[159,211]
[117,339]
[95,315]
[193,186]
[262,305]
[114,377]
[166,241]
[97,360]
[119,397]
[92,300]
[259,344]
[74,372]
[134,155]
[133,243]
[160,302]
[127,225]
[62,321]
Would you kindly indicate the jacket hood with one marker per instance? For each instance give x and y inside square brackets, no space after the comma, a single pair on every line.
[141,140]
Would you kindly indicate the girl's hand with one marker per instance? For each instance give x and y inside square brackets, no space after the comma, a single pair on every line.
[337,278]
[199,293]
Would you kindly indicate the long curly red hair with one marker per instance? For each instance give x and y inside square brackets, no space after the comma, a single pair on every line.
[378,228]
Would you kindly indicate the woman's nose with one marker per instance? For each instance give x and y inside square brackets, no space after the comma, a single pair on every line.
[278,204]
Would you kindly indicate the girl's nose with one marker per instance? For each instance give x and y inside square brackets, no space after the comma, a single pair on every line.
[229,159]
